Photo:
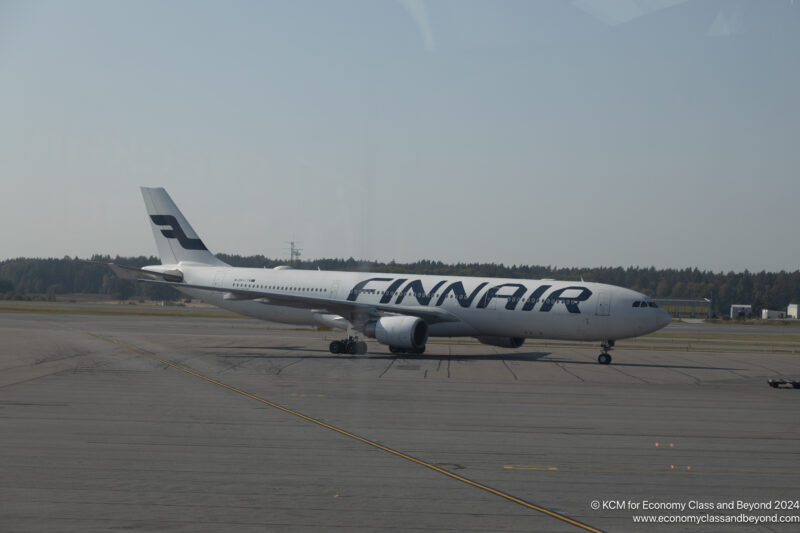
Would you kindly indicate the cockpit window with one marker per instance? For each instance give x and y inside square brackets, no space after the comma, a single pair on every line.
[637,303]
[652,304]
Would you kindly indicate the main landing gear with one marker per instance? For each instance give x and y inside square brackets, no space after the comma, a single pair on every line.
[349,345]
[605,358]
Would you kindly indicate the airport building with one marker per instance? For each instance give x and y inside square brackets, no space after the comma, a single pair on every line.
[741,311]
[767,314]
[685,308]
[791,312]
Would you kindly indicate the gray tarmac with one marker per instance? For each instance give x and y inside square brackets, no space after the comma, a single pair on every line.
[161,423]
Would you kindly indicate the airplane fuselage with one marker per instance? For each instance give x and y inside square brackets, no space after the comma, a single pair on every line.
[501,307]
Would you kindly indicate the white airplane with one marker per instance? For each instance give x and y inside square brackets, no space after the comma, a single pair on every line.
[398,310]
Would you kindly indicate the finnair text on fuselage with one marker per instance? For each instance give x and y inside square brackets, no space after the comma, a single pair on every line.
[455,290]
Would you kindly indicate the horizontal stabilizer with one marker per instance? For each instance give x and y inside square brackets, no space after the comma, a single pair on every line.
[132,273]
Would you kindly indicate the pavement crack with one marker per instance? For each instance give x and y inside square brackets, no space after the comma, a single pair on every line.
[235,366]
[573,374]
[629,375]
[509,369]
[385,370]
[693,378]
[284,367]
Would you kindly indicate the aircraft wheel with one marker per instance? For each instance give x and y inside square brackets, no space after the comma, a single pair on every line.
[351,347]
[395,350]
[336,347]
[361,348]
[604,359]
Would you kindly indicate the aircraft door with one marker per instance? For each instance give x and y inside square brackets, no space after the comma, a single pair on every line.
[333,292]
[603,304]
[219,278]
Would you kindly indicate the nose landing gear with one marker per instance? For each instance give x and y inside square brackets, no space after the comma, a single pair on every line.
[350,345]
[605,358]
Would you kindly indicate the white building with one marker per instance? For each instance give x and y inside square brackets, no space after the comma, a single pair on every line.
[791,312]
[766,314]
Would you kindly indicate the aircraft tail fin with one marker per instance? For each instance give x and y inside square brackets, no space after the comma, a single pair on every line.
[175,238]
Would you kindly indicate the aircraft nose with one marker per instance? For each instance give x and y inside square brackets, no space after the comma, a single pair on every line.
[664,318]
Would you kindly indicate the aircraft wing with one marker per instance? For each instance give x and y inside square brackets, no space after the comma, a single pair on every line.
[355,312]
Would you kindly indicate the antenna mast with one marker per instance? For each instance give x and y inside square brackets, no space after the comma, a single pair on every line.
[294,253]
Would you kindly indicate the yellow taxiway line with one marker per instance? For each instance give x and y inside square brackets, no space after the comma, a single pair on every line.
[364,440]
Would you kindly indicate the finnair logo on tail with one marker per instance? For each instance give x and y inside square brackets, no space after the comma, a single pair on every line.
[176,232]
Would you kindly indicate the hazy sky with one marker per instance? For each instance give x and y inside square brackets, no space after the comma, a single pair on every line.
[586,133]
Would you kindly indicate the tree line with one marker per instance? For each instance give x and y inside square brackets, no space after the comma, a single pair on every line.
[764,290]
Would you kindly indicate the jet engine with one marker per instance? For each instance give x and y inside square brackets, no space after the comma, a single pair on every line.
[502,342]
[404,332]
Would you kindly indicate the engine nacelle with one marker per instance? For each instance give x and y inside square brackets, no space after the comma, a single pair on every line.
[406,332]
[502,342]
